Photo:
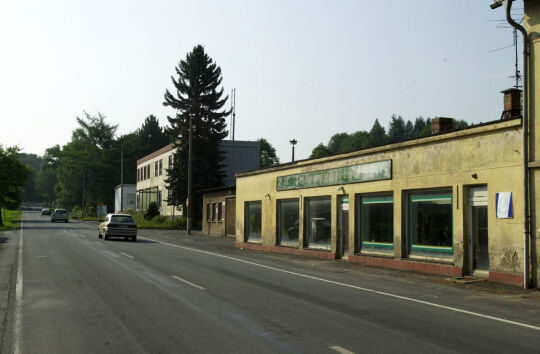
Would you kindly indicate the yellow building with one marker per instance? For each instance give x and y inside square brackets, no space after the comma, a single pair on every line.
[455,203]
[427,204]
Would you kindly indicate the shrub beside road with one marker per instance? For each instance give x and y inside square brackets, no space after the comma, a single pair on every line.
[11,218]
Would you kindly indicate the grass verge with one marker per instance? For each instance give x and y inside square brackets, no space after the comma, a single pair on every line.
[11,219]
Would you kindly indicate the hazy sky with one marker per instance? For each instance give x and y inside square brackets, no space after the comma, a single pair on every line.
[302,69]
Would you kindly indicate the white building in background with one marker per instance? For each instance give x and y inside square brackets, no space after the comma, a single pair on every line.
[239,156]
[151,176]
[128,200]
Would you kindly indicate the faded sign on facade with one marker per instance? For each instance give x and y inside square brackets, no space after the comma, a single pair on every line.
[373,171]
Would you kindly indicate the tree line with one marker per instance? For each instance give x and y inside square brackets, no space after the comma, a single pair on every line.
[398,130]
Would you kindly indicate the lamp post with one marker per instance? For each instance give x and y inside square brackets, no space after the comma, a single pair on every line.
[121,177]
[293,143]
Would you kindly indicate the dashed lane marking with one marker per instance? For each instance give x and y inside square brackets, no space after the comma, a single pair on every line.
[127,255]
[341,350]
[188,282]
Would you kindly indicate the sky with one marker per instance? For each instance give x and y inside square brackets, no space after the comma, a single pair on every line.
[302,69]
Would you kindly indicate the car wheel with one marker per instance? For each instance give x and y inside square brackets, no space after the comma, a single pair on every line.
[134,239]
[66,221]
[105,237]
[99,235]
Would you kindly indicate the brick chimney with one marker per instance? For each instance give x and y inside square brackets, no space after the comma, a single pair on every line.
[441,125]
[512,103]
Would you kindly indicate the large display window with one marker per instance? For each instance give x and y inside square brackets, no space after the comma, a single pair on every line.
[253,221]
[431,223]
[318,222]
[288,222]
[375,215]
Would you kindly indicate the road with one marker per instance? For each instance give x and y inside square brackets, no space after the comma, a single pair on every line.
[71,292]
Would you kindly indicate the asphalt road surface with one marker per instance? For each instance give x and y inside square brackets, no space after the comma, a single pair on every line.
[70,292]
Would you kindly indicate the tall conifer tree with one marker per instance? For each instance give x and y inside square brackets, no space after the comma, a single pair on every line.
[198,94]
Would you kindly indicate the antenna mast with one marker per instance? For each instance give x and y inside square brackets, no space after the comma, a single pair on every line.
[233,111]
[518,74]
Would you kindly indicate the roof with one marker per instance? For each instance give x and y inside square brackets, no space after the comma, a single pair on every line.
[155,153]
[470,130]
[219,189]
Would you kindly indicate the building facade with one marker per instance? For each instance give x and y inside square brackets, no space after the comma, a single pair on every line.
[448,204]
[219,212]
[152,174]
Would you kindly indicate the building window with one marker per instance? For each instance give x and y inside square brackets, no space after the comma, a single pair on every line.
[288,221]
[170,161]
[208,212]
[161,167]
[430,223]
[375,214]
[213,211]
[253,221]
[156,168]
[159,199]
[318,222]
[219,211]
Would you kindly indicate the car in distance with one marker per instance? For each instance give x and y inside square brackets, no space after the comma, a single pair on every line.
[59,215]
[118,225]
[45,211]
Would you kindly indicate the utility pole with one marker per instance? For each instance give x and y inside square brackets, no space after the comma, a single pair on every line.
[121,177]
[293,143]
[188,201]
[84,184]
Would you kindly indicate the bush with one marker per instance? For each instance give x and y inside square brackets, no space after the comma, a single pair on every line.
[152,211]
[179,223]
[160,219]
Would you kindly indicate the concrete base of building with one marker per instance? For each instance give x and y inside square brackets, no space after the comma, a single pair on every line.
[507,278]
[385,262]
[287,250]
[406,264]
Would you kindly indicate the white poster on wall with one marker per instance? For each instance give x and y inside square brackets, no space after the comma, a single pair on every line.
[504,205]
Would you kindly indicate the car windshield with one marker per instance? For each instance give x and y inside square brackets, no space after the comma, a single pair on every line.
[121,218]
[60,211]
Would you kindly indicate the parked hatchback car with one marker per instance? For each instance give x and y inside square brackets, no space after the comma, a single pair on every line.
[45,211]
[118,225]
[59,215]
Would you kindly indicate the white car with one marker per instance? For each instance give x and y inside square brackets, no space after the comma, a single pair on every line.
[59,215]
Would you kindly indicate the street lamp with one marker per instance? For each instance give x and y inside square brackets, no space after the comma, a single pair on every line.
[293,143]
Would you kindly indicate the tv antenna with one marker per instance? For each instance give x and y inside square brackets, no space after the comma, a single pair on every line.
[233,111]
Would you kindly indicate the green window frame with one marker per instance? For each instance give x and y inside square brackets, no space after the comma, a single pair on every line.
[430,197]
[364,202]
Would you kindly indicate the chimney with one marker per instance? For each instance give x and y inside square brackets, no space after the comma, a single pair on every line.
[512,103]
[441,125]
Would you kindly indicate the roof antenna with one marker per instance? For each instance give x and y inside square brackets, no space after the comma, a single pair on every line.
[233,110]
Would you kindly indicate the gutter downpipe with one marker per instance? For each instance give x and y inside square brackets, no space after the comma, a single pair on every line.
[525,122]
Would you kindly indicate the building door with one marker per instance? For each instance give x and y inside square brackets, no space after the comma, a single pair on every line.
[343,227]
[478,239]
[230,216]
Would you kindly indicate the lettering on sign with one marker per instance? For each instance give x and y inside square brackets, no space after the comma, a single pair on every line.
[367,172]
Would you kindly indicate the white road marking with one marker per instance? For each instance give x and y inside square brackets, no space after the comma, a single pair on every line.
[127,255]
[81,235]
[341,350]
[395,296]
[99,243]
[17,327]
[188,282]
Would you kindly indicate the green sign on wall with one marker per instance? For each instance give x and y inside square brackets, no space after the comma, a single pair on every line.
[373,171]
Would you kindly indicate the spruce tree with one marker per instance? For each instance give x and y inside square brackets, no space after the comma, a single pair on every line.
[199,96]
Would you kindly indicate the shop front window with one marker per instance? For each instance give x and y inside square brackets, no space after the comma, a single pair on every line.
[253,221]
[318,222]
[376,227]
[430,224]
[288,221]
